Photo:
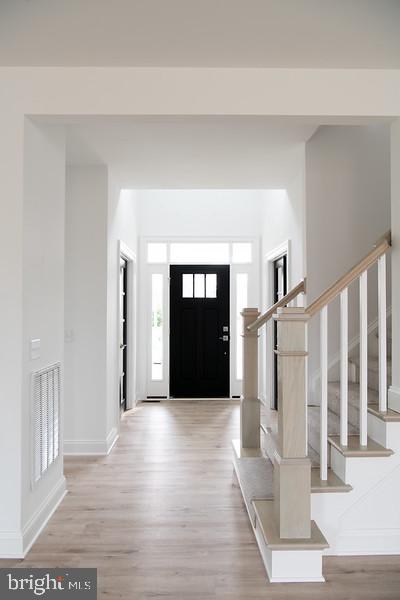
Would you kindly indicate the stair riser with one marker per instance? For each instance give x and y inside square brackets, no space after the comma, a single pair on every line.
[353,411]
[373,378]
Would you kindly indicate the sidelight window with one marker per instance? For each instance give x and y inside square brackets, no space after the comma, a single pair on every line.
[157,326]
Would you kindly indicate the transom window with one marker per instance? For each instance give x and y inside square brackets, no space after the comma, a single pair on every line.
[210,253]
[199,285]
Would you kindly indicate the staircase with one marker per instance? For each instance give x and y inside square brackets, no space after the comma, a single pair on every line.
[353,397]
[321,479]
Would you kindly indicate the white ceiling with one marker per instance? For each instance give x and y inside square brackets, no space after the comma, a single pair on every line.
[191,152]
[230,33]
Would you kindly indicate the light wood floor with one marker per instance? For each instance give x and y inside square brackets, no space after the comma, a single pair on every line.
[162,518]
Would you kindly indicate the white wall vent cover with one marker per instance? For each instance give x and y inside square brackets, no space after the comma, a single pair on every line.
[46,385]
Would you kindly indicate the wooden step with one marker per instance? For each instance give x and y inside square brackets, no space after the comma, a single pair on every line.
[389,416]
[266,523]
[354,449]
[332,485]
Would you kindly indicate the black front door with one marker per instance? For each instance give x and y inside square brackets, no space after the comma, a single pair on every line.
[199,331]
[280,290]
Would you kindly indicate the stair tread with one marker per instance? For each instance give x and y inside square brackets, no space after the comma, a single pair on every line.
[373,363]
[353,393]
[354,449]
[387,416]
[332,484]
[265,521]
[333,421]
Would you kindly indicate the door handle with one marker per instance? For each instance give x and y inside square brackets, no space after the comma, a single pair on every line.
[224,338]
[122,346]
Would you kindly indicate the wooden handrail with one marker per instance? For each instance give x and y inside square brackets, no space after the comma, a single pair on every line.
[380,248]
[300,288]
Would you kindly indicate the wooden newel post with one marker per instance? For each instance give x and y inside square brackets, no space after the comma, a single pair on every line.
[292,468]
[250,404]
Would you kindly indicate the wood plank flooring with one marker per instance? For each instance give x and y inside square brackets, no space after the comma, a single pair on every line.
[162,518]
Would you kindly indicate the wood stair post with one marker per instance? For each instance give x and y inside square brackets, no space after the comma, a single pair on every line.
[250,404]
[292,468]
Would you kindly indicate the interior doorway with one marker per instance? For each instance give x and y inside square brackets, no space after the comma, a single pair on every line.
[123,333]
[199,331]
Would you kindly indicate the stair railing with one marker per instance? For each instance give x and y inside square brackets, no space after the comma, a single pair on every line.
[320,305]
[292,468]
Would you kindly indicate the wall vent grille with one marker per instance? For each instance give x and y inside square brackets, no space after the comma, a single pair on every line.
[46,385]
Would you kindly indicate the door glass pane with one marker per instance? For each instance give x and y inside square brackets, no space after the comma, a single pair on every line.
[199,291]
[157,327]
[242,252]
[187,285]
[211,285]
[157,252]
[241,303]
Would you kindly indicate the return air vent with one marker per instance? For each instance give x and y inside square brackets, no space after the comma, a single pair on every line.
[46,385]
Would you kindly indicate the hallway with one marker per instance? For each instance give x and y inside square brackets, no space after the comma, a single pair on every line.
[163,517]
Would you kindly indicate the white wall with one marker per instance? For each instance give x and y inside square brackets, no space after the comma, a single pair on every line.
[199,212]
[283,220]
[43,298]
[11,214]
[347,210]
[85,309]
[122,226]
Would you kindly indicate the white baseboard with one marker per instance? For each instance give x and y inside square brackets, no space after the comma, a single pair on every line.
[369,542]
[394,398]
[16,544]
[42,515]
[91,447]
[112,439]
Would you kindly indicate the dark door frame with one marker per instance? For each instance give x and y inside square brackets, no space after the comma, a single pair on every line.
[126,254]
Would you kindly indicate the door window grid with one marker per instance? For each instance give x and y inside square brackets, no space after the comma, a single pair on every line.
[199,285]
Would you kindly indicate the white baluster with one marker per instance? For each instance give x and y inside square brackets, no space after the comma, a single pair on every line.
[363,358]
[344,367]
[382,333]
[324,395]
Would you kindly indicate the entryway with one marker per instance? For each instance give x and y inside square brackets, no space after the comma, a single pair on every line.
[199,331]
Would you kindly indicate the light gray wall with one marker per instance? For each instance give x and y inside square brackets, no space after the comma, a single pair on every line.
[85,306]
[347,210]
[43,284]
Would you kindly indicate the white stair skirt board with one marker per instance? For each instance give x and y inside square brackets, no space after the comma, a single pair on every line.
[286,561]
[16,544]
[91,447]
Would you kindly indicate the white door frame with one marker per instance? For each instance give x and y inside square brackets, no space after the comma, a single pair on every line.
[125,252]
